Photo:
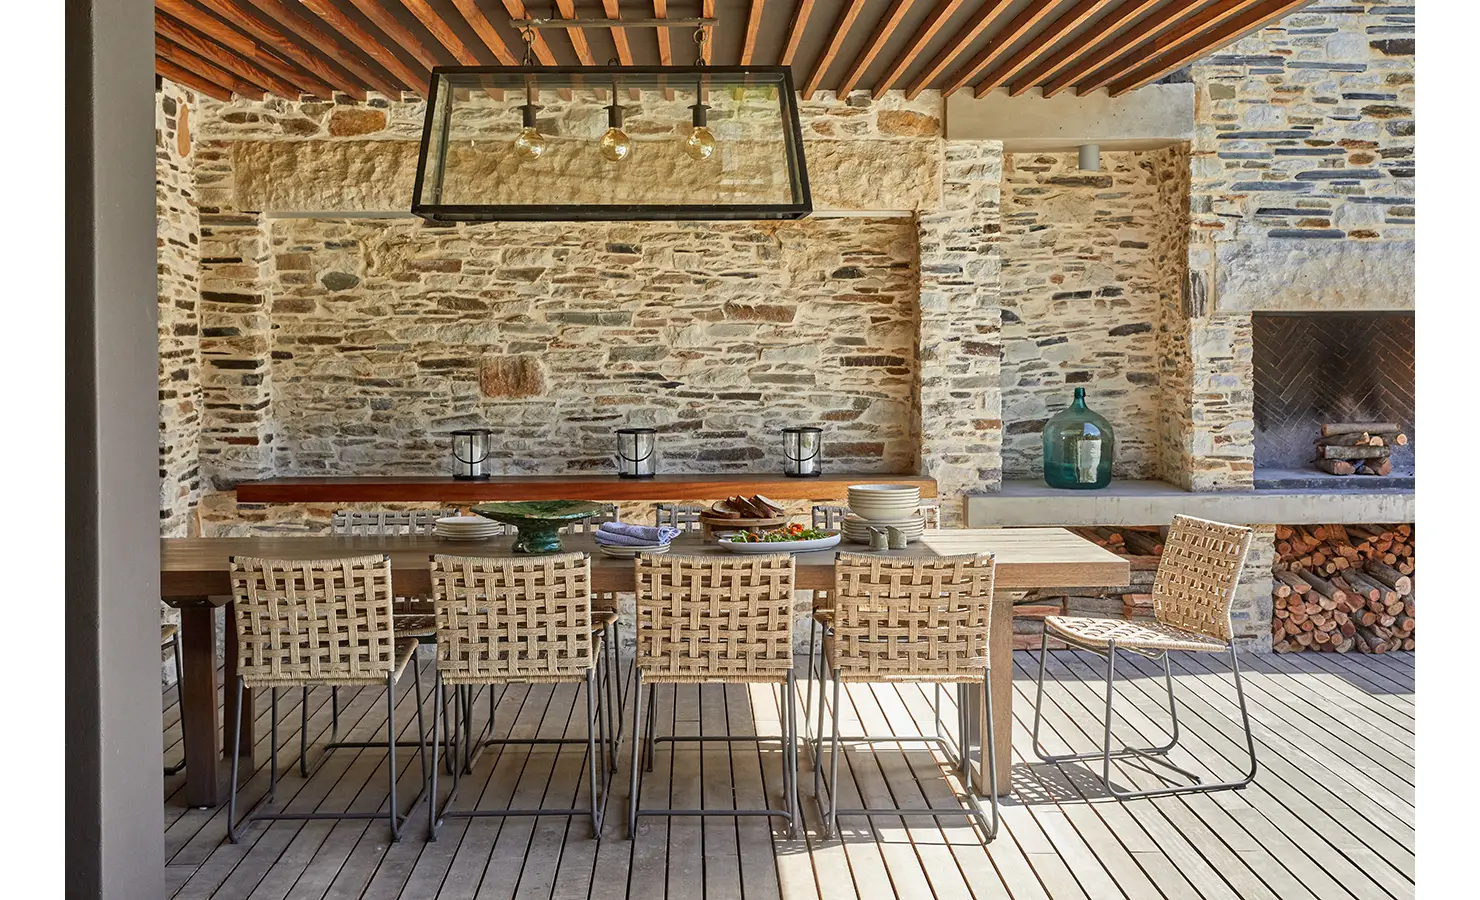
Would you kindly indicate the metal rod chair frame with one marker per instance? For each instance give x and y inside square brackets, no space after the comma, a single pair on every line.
[647,739]
[179,673]
[612,636]
[1156,754]
[1193,594]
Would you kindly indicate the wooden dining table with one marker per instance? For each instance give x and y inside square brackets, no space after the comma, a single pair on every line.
[195,578]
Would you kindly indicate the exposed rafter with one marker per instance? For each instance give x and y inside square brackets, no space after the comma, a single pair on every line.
[476,20]
[1154,23]
[1229,32]
[1071,19]
[840,30]
[202,46]
[923,36]
[1004,38]
[752,29]
[1167,41]
[567,10]
[164,49]
[327,45]
[280,42]
[979,22]
[882,33]
[433,22]
[381,18]
[799,19]
[191,80]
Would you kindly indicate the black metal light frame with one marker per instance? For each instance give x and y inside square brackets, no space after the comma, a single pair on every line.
[439,212]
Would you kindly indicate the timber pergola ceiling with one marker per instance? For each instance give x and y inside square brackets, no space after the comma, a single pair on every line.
[317,47]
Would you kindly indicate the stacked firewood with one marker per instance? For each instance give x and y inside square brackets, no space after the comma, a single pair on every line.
[1357,448]
[1344,589]
[1141,547]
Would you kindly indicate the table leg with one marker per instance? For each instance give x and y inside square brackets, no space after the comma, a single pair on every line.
[999,654]
[200,721]
[248,737]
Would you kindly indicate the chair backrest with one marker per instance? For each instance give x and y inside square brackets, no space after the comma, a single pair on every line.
[610,512]
[684,517]
[1198,574]
[715,618]
[325,621]
[828,517]
[513,618]
[912,617]
[386,522]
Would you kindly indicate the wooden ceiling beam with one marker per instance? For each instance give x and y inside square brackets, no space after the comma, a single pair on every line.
[923,36]
[1157,21]
[1020,25]
[1232,30]
[619,35]
[840,29]
[542,51]
[185,59]
[577,35]
[280,43]
[485,31]
[1182,32]
[372,45]
[191,80]
[1075,50]
[980,21]
[174,16]
[1072,18]
[329,46]
[432,21]
[752,30]
[205,48]
[799,18]
[882,33]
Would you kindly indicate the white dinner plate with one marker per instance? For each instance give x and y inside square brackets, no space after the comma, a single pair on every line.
[783,546]
[631,552]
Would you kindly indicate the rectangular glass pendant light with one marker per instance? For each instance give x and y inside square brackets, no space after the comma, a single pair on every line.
[559,143]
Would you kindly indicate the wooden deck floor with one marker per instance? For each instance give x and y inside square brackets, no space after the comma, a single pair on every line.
[1329,816]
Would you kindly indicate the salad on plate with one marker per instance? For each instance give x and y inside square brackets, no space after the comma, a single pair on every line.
[784,535]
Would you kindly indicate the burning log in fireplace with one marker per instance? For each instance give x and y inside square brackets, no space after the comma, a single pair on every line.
[1357,448]
[1344,589]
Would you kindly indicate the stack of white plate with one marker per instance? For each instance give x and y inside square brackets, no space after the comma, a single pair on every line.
[466,528]
[622,552]
[881,506]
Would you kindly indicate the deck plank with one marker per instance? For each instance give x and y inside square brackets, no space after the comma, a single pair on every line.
[1330,815]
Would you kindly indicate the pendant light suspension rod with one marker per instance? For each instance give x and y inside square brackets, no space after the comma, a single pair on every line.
[692,22]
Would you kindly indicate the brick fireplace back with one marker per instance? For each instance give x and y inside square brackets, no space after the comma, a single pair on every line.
[1315,368]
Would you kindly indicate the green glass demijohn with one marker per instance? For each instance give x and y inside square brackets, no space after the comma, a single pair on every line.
[1078,447]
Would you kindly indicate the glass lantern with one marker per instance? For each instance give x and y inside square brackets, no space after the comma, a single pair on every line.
[470,449]
[637,452]
[1078,447]
[803,448]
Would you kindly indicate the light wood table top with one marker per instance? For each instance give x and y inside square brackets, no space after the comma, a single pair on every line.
[1026,558]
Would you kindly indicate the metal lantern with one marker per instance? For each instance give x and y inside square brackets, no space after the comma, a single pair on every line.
[803,447]
[637,452]
[470,449]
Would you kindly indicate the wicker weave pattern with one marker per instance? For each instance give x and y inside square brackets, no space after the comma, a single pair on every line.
[524,618]
[1128,634]
[322,620]
[386,522]
[684,517]
[1198,573]
[714,618]
[610,512]
[923,618]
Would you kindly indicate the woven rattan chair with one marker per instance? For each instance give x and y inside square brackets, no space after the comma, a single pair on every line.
[169,636]
[1192,597]
[910,619]
[604,607]
[714,620]
[516,620]
[320,622]
[683,516]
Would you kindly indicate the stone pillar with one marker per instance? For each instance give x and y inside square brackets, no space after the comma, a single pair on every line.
[1253,601]
[236,273]
[960,351]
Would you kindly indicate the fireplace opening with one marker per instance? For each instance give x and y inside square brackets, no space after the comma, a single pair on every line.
[1314,369]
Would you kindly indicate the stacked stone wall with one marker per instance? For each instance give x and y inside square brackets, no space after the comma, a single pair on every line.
[1087,266]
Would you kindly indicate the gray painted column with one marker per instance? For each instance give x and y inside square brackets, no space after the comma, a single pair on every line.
[115,842]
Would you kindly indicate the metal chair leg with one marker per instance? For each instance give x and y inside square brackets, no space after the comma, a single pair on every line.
[421,728]
[989,752]
[652,725]
[390,744]
[793,802]
[593,721]
[636,741]
[272,755]
[303,733]
[179,671]
[334,713]
[829,822]
[439,709]
[236,752]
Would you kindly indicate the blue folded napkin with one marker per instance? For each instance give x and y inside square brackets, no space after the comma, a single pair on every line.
[626,534]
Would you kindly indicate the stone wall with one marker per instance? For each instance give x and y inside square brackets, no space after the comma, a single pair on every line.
[1088,265]
[178,240]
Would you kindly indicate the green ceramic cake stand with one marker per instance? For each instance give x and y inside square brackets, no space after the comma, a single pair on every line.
[539,521]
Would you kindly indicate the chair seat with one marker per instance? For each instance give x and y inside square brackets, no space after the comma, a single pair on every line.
[1131,635]
[405,652]
[414,625]
[167,633]
[601,618]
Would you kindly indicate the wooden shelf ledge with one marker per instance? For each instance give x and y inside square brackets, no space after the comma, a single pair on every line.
[446,489]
